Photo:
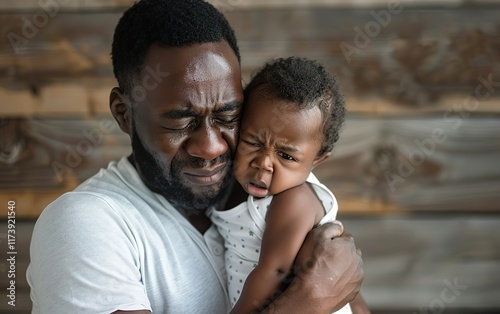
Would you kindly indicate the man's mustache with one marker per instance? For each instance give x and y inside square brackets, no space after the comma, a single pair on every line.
[195,162]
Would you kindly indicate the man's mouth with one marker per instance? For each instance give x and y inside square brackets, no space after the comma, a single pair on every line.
[205,176]
[257,188]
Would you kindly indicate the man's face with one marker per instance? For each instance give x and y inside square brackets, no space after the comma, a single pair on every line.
[184,131]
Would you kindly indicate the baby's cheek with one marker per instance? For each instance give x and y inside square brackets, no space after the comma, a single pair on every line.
[239,167]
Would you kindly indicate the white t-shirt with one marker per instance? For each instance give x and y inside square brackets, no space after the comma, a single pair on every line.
[242,228]
[113,244]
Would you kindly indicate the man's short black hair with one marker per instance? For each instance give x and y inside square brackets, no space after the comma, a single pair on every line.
[170,23]
[304,83]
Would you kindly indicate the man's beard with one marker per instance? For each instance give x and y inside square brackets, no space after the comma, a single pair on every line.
[172,186]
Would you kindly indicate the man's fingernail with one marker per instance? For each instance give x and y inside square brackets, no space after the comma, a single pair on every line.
[340,224]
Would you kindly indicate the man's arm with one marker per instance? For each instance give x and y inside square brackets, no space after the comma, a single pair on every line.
[319,286]
[329,272]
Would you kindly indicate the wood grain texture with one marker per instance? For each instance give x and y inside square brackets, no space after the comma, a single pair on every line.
[406,60]
[418,68]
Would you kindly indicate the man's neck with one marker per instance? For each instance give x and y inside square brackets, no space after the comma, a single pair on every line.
[237,196]
[200,222]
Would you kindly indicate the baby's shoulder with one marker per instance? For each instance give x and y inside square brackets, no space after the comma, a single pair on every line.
[301,196]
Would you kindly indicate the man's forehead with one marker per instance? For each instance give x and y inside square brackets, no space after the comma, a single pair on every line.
[206,67]
[203,62]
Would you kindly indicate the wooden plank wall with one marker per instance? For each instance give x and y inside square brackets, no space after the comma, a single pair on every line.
[407,70]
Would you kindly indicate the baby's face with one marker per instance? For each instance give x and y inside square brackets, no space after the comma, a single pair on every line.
[278,145]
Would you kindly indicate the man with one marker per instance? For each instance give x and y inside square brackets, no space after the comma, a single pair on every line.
[135,237]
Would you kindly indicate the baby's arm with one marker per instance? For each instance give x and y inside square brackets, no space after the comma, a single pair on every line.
[291,215]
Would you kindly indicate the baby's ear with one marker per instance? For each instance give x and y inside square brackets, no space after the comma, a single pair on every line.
[320,159]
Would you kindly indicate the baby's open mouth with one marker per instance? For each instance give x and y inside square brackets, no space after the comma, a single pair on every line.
[260,185]
[257,188]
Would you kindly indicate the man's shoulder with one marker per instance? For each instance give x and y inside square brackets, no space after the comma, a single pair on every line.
[108,190]
[115,175]
[80,205]
[118,183]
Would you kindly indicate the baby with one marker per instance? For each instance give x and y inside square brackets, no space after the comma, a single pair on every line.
[292,115]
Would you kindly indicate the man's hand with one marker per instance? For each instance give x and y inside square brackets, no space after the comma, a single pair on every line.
[330,267]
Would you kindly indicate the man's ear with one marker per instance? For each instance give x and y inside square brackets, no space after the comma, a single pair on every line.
[120,110]
[320,159]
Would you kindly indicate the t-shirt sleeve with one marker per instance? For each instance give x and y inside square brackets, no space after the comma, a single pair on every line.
[84,259]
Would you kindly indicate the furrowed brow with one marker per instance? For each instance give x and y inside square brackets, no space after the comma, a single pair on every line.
[230,106]
[253,137]
[287,148]
[179,114]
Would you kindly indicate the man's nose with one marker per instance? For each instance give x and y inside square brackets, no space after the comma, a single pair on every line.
[206,142]
[263,162]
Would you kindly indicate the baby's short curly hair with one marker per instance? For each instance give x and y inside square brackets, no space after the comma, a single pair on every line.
[305,83]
